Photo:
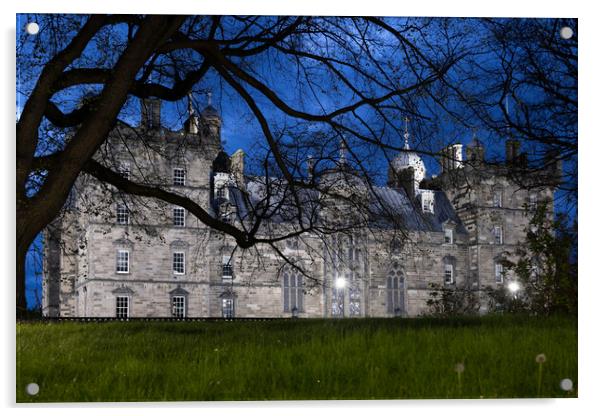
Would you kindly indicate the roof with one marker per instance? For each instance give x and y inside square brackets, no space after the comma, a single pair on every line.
[389,207]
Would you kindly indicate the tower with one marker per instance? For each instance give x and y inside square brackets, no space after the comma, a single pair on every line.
[407,169]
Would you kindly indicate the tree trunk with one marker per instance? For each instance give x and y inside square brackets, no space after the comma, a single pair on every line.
[21,299]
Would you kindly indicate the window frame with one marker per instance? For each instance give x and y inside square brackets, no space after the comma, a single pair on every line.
[231,308]
[498,269]
[449,268]
[175,217]
[173,262]
[227,268]
[176,179]
[395,286]
[498,198]
[448,232]
[119,307]
[292,288]
[127,261]
[183,306]
[119,214]
[498,234]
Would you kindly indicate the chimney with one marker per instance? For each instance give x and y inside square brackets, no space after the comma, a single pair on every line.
[475,152]
[237,167]
[310,167]
[150,112]
[512,150]
[451,157]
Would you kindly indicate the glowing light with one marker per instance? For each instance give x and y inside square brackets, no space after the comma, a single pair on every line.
[513,287]
[340,283]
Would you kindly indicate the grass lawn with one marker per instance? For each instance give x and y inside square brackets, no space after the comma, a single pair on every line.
[296,360]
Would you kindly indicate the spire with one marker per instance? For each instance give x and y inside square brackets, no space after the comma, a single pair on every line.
[192,123]
[406,135]
[342,150]
[190,107]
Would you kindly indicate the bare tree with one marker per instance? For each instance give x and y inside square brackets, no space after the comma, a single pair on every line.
[348,79]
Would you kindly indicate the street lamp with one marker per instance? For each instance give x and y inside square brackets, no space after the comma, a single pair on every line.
[513,287]
[340,283]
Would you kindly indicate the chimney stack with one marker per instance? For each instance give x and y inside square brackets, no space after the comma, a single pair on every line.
[512,150]
[150,112]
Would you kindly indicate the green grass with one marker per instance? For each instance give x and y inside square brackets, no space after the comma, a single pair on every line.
[296,360]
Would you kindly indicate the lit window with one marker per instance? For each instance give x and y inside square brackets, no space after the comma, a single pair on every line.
[227,307]
[178,306]
[179,217]
[226,268]
[293,290]
[498,234]
[122,309]
[499,272]
[497,198]
[123,214]
[123,261]
[449,236]
[179,177]
[179,262]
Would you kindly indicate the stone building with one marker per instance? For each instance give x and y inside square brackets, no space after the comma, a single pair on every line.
[113,255]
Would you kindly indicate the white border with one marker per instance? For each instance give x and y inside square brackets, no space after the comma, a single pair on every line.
[590,370]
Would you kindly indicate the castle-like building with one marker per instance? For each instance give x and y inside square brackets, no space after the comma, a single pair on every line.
[115,255]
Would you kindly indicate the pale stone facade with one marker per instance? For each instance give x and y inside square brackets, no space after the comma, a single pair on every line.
[112,255]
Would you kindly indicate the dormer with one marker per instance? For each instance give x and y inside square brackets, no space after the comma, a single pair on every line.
[427,201]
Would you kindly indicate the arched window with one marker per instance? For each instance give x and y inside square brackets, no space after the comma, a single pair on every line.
[292,281]
[395,290]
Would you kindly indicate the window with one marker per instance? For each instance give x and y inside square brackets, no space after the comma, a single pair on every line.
[428,201]
[178,306]
[222,192]
[123,261]
[498,234]
[226,268]
[179,262]
[499,272]
[497,198]
[228,307]
[293,290]
[395,293]
[124,170]
[449,270]
[123,214]
[395,246]
[533,201]
[449,236]
[338,301]
[122,309]
[179,217]
[179,177]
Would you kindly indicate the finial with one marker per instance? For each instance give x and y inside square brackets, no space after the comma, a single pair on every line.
[406,135]
[209,94]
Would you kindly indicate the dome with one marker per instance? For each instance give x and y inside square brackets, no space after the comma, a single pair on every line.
[407,159]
